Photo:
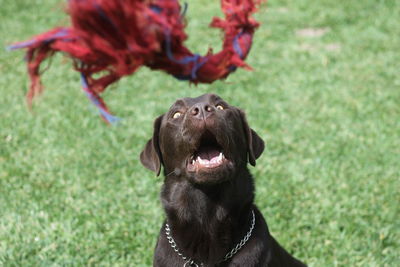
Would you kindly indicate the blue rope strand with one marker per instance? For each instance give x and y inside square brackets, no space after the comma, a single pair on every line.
[156,8]
[62,33]
[184,61]
[185,8]
[236,45]
[106,115]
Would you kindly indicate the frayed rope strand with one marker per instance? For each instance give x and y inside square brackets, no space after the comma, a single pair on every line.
[95,99]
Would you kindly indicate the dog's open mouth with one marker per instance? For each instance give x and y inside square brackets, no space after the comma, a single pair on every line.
[208,155]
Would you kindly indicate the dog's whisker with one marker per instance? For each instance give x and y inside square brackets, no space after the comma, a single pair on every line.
[170,173]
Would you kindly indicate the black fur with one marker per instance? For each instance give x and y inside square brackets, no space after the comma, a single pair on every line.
[209,209]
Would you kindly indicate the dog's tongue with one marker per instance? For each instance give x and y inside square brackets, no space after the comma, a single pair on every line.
[208,153]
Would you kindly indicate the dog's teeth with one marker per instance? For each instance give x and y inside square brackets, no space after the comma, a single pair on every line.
[206,163]
[201,161]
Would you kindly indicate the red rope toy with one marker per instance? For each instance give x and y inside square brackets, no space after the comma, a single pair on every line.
[116,37]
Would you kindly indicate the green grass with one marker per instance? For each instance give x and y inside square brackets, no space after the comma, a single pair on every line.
[73,192]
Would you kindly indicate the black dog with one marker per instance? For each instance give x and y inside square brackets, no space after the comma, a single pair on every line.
[204,145]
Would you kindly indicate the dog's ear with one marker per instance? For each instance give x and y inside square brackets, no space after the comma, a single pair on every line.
[151,154]
[255,145]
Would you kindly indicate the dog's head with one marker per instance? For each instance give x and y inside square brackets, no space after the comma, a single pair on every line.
[203,139]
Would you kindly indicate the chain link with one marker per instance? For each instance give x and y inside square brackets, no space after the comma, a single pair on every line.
[172,242]
[243,241]
[191,263]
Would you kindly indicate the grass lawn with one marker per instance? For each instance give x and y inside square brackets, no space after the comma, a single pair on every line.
[324,95]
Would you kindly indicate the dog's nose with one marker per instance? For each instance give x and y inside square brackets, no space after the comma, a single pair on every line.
[201,110]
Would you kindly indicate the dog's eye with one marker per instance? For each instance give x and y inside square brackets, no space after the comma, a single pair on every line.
[177,115]
[220,107]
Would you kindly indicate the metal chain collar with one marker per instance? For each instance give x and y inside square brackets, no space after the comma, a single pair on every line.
[191,263]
